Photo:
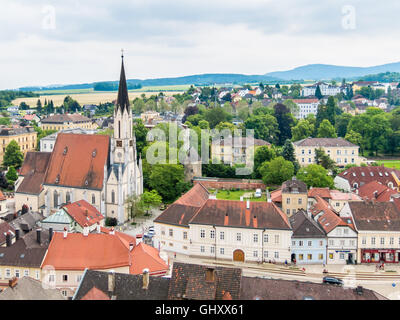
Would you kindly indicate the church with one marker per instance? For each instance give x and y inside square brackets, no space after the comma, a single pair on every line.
[103,170]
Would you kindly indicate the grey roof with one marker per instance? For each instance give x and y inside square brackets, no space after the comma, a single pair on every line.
[324,142]
[294,186]
[127,286]
[30,289]
[304,227]
[28,220]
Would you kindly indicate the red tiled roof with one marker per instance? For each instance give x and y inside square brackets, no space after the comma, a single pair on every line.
[303,101]
[95,294]
[2,196]
[78,160]
[83,213]
[376,190]
[94,251]
[195,197]
[145,256]
[126,239]
[322,192]
[338,195]
[364,175]
[276,195]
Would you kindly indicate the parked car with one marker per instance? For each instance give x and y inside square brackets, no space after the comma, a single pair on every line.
[332,280]
[258,193]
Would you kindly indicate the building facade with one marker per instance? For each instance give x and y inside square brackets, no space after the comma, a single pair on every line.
[26,137]
[60,122]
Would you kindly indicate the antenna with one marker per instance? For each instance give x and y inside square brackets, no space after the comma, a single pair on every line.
[122,53]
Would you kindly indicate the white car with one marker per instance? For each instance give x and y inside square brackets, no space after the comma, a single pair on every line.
[258,193]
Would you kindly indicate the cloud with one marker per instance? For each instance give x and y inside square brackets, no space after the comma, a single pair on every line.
[173,38]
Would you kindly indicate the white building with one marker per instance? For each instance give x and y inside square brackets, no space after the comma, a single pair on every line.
[47,143]
[306,107]
[326,89]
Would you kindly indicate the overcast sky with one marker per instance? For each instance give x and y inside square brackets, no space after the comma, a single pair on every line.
[77,41]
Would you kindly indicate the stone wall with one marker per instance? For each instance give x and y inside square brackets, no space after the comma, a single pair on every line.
[228,184]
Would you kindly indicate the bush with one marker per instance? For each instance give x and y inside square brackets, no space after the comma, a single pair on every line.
[111,222]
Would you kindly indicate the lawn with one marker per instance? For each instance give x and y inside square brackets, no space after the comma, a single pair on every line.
[236,194]
[390,163]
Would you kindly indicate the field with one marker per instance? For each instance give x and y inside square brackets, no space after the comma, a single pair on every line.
[390,163]
[235,195]
[88,96]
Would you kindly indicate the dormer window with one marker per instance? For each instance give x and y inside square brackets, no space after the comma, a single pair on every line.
[94,153]
[58,178]
[65,151]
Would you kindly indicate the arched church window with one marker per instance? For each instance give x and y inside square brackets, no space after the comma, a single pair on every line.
[68,197]
[55,199]
[93,199]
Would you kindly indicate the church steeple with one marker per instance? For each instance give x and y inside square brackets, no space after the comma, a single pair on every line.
[123,99]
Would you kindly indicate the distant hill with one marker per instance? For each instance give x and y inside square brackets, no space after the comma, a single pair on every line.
[382,77]
[327,72]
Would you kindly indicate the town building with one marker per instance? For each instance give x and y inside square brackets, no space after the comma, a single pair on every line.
[294,196]
[235,150]
[376,191]
[306,107]
[69,254]
[353,178]
[326,89]
[339,150]
[378,228]
[26,137]
[67,121]
[308,240]
[341,234]
[5,229]
[75,217]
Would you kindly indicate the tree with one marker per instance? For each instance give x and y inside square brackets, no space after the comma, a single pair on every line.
[318,93]
[111,222]
[326,130]
[303,129]
[315,175]
[24,106]
[342,123]
[39,106]
[11,175]
[140,132]
[288,154]
[217,115]
[265,127]
[285,122]
[276,171]
[150,199]
[164,176]
[13,155]
[331,107]
[323,159]
[262,154]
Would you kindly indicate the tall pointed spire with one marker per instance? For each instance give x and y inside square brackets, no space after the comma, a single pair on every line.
[123,99]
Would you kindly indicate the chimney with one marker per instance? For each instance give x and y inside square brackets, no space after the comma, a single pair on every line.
[241,198]
[98,227]
[112,231]
[111,281]
[38,235]
[85,230]
[268,196]
[8,239]
[65,232]
[146,279]
[131,245]
[12,282]
[248,204]
[50,234]
[17,231]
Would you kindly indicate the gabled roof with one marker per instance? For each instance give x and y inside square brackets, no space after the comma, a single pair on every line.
[189,281]
[322,192]
[375,216]
[364,175]
[27,221]
[34,171]
[83,213]
[294,186]
[126,287]
[276,195]
[122,99]
[62,118]
[230,213]
[5,228]
[376,190]
[78,160]
[304,227]
[324,142]
[340,196]
[145,256]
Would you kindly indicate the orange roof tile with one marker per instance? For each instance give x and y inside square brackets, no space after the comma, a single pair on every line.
[376,190]
[329,220]
[276,195]
[78,160]
[95,294]
[83,213]
[145,256]
[322,192]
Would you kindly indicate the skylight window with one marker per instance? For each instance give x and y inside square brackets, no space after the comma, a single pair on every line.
[354,174]
[363,174]
[380,173]
[372,174]
[386,174]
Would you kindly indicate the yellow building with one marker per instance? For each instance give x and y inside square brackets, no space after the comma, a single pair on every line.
[339,150]
[26,137]
[67,121]
[232,151]
[294,196]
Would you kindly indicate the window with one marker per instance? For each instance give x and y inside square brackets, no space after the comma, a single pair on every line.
[52,278]
[93,199]
[320,256]
[331,256]
[222,251]
[364,240]
[352,243]
[238,236]
[309,243]
[67,197]
[112,196]
[265,254]
[301,256]
[185,235]
[163,231]
[65,277]
[300,243]
[202,233]
[212,249]
[321,243]
[55,198]
[276,255]
[37,275]
[373,240]
[78,278]
[255,237]
[202,249]
[221,235]
[309,256]
[64,293]
[288,200]
[255,254]
[212,234]
[277,239]
[300,201]
[346,231]
[266,237]
[341,256]
[391,241]
[17,274]
[382,240]
[342,242]
[293,243]
[288,211]
[331,242]
[171,232]
[26,273]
